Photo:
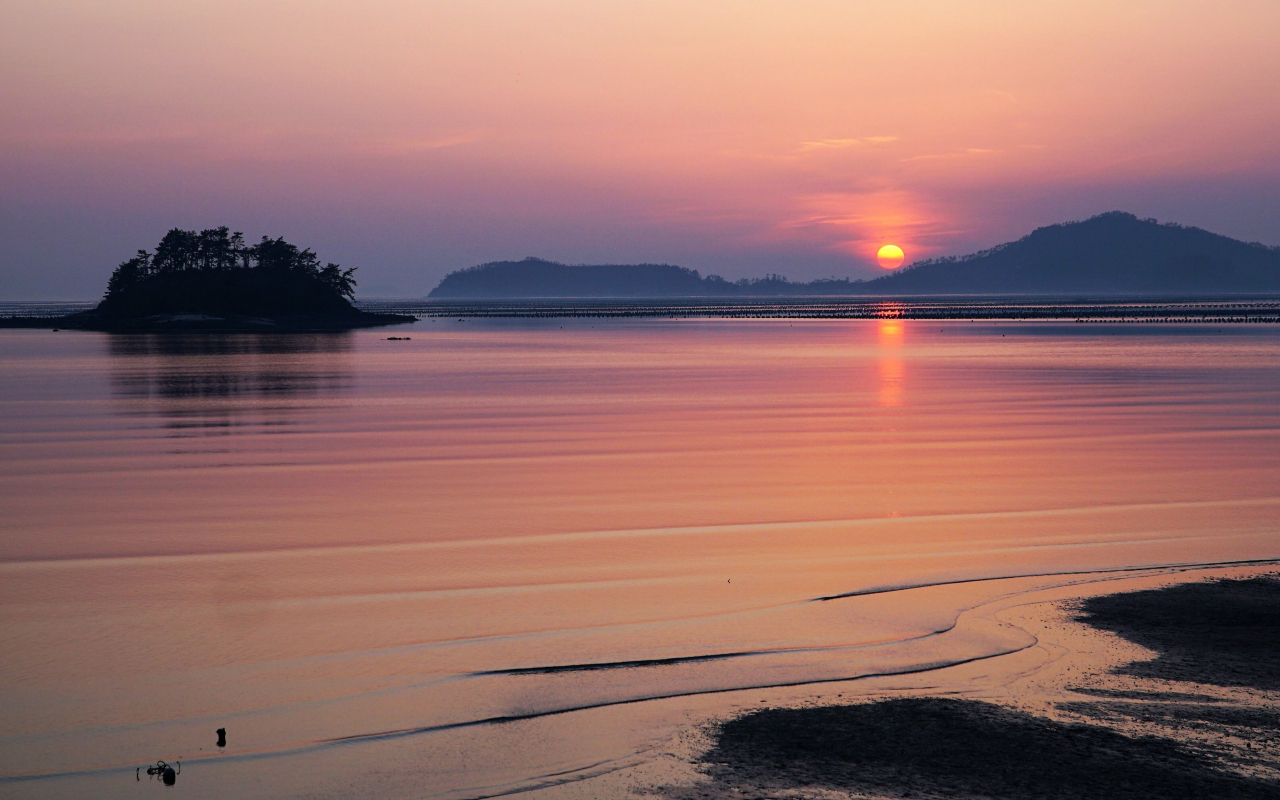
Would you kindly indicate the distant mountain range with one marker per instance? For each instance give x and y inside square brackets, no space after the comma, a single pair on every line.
[1110,254]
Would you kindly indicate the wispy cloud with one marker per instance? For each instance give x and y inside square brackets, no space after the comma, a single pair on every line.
[858,223]
[242,143]
[965,153]
[407,146]
[840,144]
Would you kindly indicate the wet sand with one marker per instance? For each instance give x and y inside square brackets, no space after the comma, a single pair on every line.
[1200,719]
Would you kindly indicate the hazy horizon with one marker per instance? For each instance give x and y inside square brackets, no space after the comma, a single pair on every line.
[740,139]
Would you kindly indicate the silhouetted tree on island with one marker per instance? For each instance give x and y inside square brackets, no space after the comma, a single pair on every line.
[212,278]
[219,250]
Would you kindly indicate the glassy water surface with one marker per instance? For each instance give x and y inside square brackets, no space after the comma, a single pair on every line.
[351,551]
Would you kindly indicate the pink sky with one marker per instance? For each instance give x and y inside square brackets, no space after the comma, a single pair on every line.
[410,139]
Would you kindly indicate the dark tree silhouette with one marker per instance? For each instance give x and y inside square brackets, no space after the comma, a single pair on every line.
[212,280]
[221,250]
[130,272]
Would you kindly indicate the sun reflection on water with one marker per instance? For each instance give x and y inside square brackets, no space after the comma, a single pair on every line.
[889,337]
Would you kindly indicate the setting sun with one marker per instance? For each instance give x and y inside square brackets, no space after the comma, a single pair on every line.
[890,256]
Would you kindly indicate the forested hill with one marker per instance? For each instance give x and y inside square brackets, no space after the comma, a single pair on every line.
[1110,254]
[534,277]
[1113,253]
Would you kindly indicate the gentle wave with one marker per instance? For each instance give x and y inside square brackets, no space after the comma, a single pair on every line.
[72,562]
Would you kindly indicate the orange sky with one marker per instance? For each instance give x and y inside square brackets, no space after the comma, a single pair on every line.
[413,138]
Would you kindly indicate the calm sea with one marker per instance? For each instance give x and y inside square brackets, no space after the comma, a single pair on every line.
[383,566]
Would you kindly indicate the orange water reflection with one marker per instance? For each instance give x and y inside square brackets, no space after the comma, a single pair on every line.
[891,366]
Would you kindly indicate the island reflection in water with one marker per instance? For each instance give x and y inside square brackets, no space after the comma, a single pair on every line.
[219,384]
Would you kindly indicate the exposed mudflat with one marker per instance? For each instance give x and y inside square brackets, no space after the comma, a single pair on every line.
[1225,633]
[934,747]
[1199,720]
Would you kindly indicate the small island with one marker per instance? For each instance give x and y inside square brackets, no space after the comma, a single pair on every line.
[212,280]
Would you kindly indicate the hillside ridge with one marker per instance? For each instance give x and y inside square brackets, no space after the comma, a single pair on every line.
[1114,253]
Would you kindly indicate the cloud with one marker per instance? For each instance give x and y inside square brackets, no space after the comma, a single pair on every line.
[408,146]
[858,223]
[968,151]
[840,144]
[220,143]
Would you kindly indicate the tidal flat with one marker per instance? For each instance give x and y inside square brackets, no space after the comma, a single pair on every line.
[550,556]
[1177,731]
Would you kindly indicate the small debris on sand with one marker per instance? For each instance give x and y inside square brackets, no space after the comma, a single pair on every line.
[167,774]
